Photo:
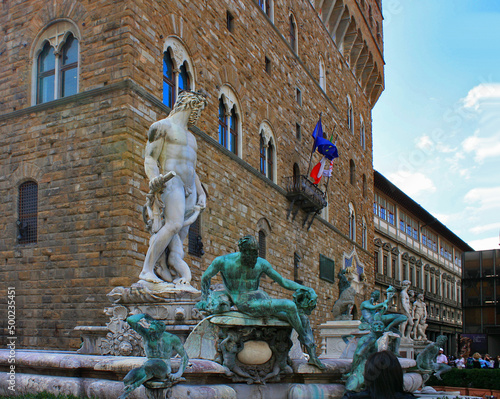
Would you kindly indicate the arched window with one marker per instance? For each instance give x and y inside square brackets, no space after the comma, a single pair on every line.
[46,74]
[322,74]
[184,83]
[69,67]
[293,34]
[362,138]
[55,70]
[262,244]
[352,172]
[233,131]
[229,121]
[27,222]
[222,123]
[350,115]
[267,151]
[270,160]
[169,92]
[352,223]
[263,163]
[177,73]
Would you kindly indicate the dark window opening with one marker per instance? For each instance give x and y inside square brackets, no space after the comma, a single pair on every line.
[296,267]
[28,213]
[267,62]
[262,244]
[195,243]
[230,22]
[298,133]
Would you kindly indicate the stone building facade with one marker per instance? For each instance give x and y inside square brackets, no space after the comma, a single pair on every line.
[82,81]
[411,244]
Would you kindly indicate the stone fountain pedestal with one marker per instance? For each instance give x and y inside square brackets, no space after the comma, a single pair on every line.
[173,305]
[67,373]
[337,336]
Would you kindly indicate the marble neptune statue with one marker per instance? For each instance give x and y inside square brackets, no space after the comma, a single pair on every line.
[176,196]
[241,273]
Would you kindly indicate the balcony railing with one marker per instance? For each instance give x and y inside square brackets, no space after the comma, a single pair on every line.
[304,194]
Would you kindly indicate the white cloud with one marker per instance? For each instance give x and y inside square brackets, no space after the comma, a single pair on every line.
[485,243]
[487,198]
[484,91]
[412,183]
[483,147]
[424,143]
[486,227]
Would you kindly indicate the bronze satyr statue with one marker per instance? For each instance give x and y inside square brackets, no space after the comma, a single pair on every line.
[159,346]
[426,360]
[241,273]
[367,345]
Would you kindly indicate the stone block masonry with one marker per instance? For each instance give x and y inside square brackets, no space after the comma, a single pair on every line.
[86,151]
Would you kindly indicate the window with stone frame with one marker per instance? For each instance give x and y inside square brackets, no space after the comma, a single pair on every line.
[352,172]
[322,74]
[230,121]
[56,66]
[27,210]
[262,244]
[267,151]
[228,128]
[352,222]
[350,115]
[293,33]
[177,73]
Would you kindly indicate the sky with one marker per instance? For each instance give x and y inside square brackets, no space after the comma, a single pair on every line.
[436,126]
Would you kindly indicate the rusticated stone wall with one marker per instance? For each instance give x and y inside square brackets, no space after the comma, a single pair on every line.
[86,151]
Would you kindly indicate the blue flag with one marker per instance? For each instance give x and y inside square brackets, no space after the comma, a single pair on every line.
[325,147]
[318,133]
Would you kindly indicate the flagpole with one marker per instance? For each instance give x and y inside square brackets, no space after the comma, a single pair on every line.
[328,181]
[312,152]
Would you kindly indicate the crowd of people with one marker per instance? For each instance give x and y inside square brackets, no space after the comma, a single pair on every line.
[474,361]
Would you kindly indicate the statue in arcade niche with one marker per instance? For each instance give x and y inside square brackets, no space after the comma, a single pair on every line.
[176,196]
[420,316]
[241,273]
[159,347]
[406,305]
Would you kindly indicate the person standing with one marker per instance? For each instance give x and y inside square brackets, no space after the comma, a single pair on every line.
[441,357]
